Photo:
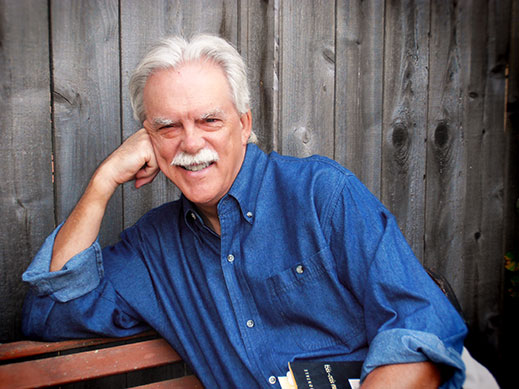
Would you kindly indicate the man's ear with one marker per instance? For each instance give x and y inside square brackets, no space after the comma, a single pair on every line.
[146,125]
[246,126]
[149,129]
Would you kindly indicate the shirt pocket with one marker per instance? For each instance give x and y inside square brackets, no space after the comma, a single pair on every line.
[316,309]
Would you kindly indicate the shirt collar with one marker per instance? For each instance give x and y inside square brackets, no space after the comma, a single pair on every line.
[244,189]
[246,186]
[190,211]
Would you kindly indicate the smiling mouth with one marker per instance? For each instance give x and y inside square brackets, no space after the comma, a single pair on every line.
[197,167]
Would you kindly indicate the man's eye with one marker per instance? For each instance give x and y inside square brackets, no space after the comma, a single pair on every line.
[169,126]
[210,123]
[169,130]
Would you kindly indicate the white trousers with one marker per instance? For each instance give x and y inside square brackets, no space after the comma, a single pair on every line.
[477,375]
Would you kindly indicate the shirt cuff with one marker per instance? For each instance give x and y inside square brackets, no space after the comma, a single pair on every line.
[80,275]
[406,346]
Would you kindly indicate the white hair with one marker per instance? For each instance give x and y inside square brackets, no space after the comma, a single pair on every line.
[175,51]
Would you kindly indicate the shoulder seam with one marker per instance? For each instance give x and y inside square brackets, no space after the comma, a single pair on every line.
[334,198]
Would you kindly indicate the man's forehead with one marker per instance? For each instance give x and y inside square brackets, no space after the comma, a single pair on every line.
[170,94]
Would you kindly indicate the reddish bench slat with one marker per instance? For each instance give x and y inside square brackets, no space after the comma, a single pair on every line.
[88,365]
[188,382]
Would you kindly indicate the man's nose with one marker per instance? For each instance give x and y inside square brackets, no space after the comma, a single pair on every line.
[192,141]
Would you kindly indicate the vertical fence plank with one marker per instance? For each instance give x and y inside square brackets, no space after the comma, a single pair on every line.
[465,174]
[26,193]
[491,238]
[85,55]
[405,115]
[510,308]
[259,45]
[446,170]
[358,86]
[485,139]
[307,77]
[150,21]
[472,26]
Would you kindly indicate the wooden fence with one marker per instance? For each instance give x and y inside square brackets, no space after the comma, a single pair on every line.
[409,95]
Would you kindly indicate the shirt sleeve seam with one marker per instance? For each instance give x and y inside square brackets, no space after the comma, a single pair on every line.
[333,204]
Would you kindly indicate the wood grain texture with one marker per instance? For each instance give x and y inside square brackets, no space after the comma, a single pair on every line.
[510,308]
[466,148]
[188,382]
[405,112]
[151,21]
[259,45]
[446,171]
[26,193]
[85,58]
[358,89]
[307,78]
[483,237]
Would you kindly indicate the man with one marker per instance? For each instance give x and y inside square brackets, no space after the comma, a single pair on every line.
[264,259]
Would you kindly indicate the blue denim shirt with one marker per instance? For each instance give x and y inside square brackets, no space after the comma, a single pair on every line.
[309,265]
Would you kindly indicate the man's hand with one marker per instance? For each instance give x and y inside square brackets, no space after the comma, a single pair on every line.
[133,160]
[403,376]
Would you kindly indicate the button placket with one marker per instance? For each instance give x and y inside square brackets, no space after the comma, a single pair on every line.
[232,267]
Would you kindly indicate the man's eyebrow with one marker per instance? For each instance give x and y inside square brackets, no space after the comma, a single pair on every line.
[162,121]
[216,112]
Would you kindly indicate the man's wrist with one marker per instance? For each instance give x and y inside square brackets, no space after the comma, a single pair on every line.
[404,375]
[101,185]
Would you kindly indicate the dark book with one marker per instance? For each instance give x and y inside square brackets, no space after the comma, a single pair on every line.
[324,375]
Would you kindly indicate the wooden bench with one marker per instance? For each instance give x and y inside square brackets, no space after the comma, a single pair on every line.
[104,362]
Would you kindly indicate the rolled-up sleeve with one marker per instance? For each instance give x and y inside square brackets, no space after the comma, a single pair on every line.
[406,346]
[80,275]
[76,301]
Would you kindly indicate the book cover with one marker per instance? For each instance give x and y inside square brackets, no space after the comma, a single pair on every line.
[325,375]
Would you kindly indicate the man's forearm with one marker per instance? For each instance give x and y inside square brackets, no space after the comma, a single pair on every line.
[133,160]
[82,226]
[405,375]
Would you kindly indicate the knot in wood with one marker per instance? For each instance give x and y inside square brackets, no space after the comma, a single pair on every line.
[441,134]
[303,134]
[400,135]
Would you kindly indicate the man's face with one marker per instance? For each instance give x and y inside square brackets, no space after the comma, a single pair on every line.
[190,109]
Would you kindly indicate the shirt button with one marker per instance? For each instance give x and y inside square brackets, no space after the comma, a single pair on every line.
[230,258]
[250,323]
[249,214]
[272,380]
[300,269]
[192,215]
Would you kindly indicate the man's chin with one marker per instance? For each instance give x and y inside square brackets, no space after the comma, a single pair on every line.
[201,197]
